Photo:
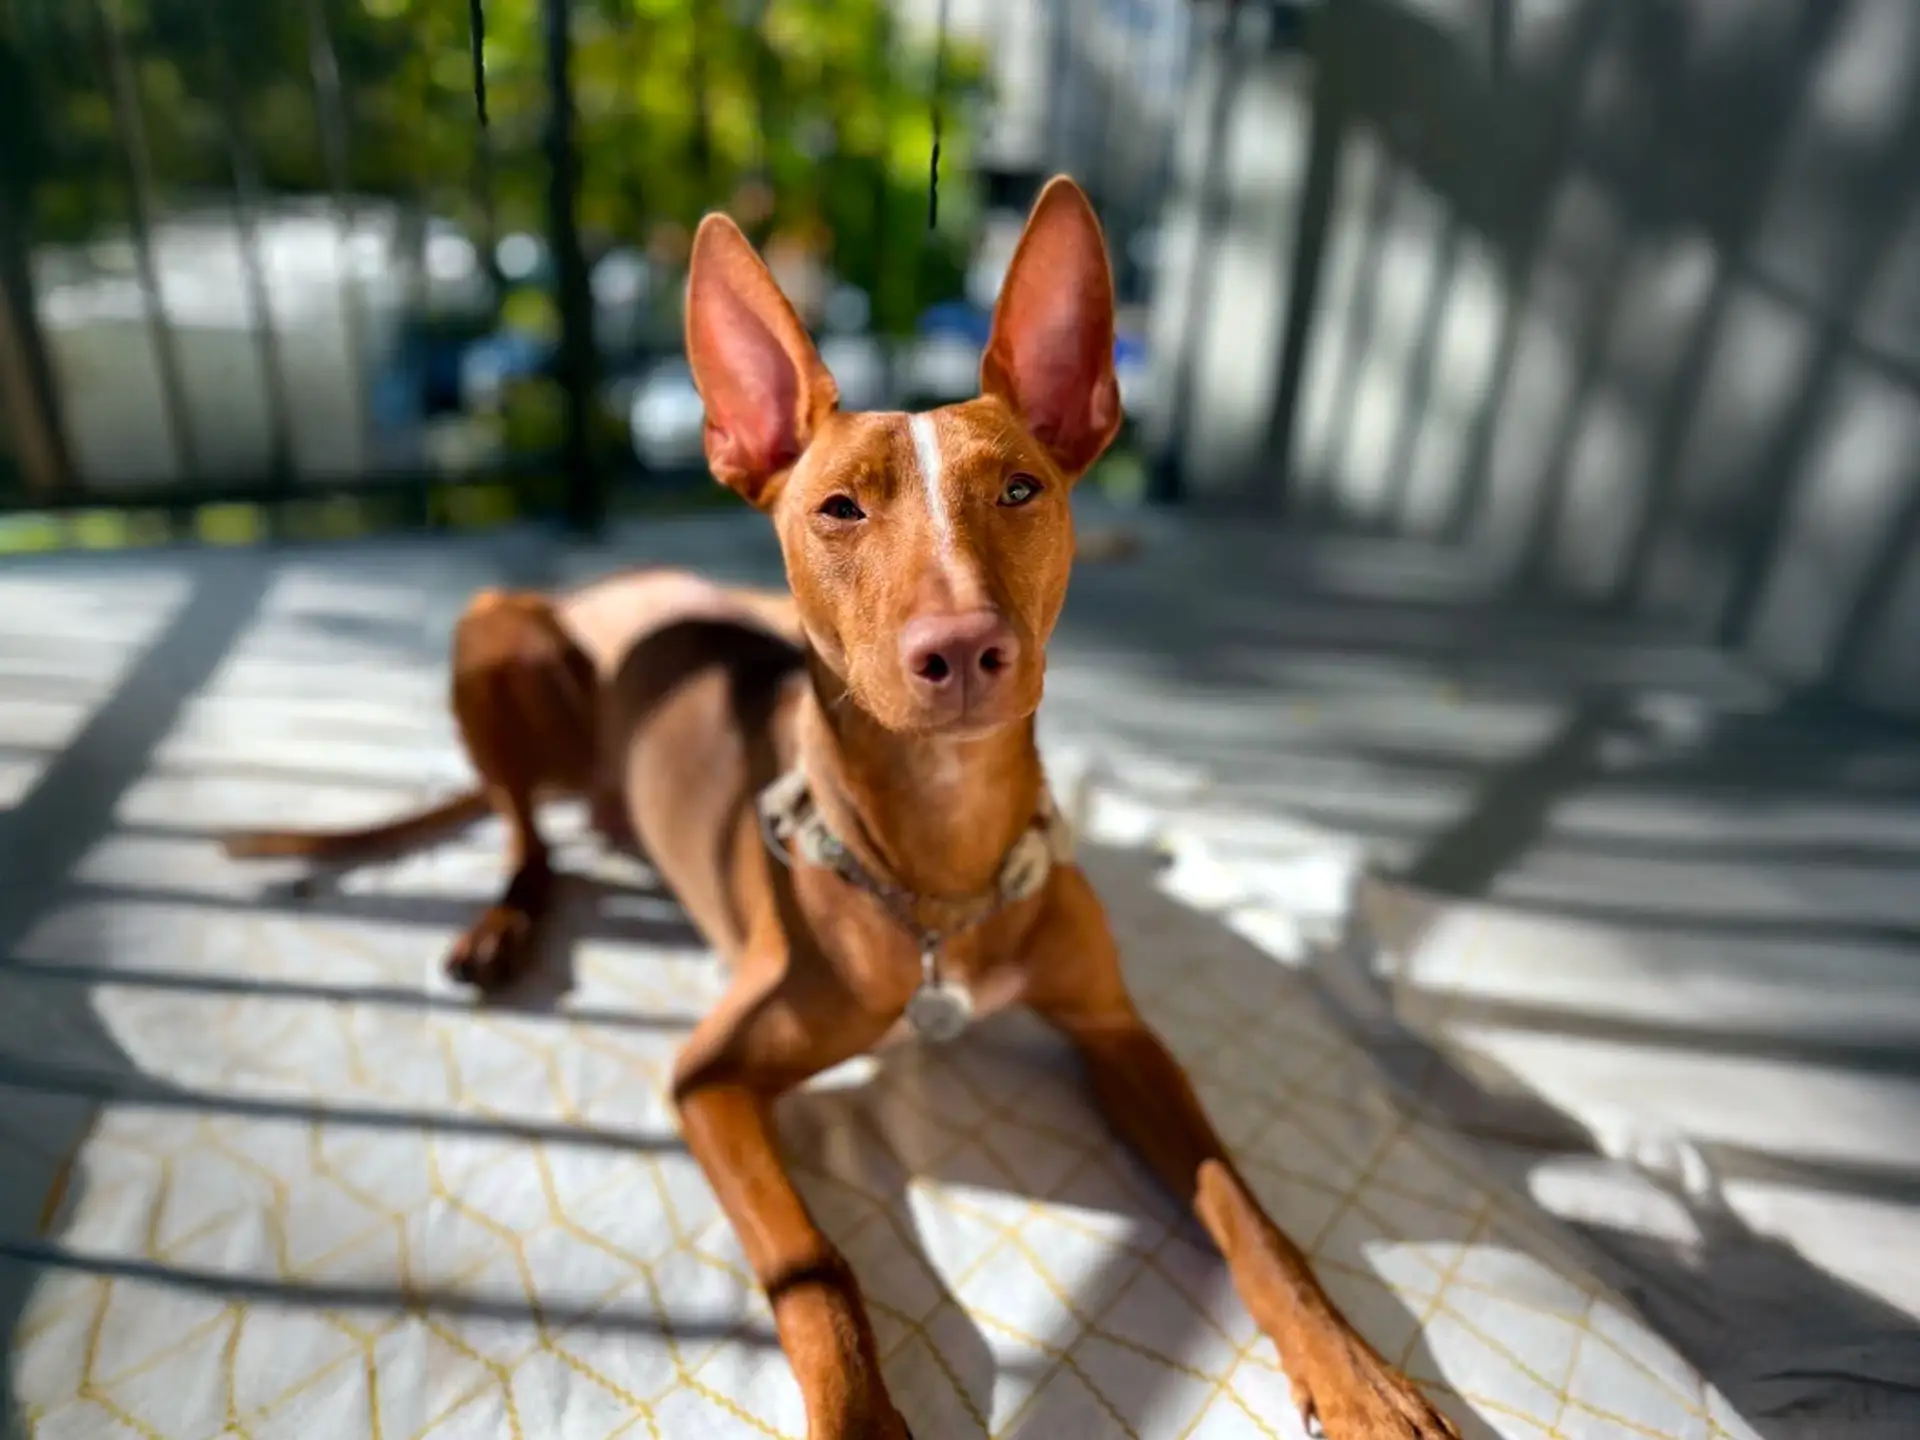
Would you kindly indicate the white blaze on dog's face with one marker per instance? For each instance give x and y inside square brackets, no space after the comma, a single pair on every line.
[928,553]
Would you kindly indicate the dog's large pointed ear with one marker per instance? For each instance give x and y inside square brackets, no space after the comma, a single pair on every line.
[763,385]
[1050,356]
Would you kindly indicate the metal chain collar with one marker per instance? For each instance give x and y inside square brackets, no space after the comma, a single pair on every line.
[794,830]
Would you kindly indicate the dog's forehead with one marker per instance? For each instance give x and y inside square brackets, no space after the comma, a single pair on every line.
[950,440]
[972,435]
[873,440]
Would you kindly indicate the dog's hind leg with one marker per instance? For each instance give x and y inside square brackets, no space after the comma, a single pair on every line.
[524,697]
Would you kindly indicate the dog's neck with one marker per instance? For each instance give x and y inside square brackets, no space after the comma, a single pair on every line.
[937,815]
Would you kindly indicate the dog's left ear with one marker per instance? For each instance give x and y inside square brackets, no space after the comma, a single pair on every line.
[1050,356]
[763,384]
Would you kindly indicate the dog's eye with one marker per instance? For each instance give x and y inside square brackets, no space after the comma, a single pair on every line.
[841,507]
[1020,489]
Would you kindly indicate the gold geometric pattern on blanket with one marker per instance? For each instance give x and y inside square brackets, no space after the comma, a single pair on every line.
[360,1206]
[1091,1310]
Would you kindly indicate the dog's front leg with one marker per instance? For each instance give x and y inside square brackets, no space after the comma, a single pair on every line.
[1077,987]
[763,1040]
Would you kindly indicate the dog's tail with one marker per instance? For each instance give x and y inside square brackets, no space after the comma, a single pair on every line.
[375,842]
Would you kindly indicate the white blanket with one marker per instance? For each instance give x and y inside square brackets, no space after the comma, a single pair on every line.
[277,1178]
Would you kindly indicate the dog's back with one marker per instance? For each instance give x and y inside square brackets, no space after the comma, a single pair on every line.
[609,616]
[697,685]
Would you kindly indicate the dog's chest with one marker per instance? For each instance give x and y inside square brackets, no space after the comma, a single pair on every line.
[977,989]
[975,966]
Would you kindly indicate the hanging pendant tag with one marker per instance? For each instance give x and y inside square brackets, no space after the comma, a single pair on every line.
[939,1012]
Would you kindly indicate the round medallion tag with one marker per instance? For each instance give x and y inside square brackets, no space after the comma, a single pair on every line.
[939,1012]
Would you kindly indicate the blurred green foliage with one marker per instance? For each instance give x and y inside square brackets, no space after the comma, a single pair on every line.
[680,103]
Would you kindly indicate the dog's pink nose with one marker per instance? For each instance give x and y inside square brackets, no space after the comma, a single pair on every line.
[963,653]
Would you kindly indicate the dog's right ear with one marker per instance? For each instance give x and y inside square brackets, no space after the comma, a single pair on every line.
[1050,354]
[762,382]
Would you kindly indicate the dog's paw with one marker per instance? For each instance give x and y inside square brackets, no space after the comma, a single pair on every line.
[496,951]
[1364,1398]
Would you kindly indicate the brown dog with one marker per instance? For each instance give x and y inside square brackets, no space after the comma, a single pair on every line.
[906,864]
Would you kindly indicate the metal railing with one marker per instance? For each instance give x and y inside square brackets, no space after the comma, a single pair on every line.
[272,254]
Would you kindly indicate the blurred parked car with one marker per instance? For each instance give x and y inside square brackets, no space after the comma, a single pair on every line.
[337,294]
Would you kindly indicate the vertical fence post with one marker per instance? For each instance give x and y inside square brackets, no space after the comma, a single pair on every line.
[29,398]
[29,395]
[330,113]
[247,189]
[882,197]
[1212,205]
[130,131]
[1307,263]
[480,187]
[700,137]
[585,505]
[1160,175]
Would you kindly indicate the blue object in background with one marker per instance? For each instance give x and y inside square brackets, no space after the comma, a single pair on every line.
[432,361]
[955,320]
[489,365]
[395,396]
[1130,368]
[439,362]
